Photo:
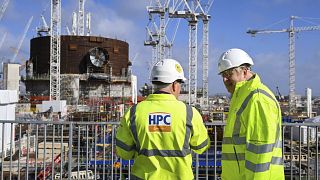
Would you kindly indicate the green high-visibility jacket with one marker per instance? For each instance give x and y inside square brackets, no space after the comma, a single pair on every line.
[252,140]
[159,134]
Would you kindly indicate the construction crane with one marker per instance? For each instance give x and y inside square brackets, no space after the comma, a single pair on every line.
[152,40]
[88,24]
[279,94]
[25,31]
[43,28]
[192,17]
[292,79]
[157,9]
[74,23]
[55,50]
[3,8]
[81,18]
[205,55]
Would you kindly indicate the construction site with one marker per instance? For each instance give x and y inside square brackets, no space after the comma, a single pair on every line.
[78,86]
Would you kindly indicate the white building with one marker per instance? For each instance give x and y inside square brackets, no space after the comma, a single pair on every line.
[8,100]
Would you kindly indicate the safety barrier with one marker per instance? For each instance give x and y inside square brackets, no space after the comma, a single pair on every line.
[86,150]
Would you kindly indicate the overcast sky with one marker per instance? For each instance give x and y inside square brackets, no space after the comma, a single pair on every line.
[126,20]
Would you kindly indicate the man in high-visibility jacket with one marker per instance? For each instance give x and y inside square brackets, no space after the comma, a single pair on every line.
[252,142]
[160,132]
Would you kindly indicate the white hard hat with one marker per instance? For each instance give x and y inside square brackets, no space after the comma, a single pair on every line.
[167,71]
[233,58]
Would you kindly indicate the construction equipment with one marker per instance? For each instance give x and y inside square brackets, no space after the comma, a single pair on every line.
[280,97]
[157,35]
[21,40]
[43,29]
[74,23]
[191,16]
[48,170]
[81,18]
[55,50]
[88,24]
[292,78]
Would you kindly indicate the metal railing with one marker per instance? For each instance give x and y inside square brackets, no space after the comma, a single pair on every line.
[86,150]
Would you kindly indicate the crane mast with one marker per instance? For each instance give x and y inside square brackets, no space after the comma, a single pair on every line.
[205,62]
[88,23]
[74,23]
[292,68]
[55,50]
[81,18]
[292,77]
[192,17]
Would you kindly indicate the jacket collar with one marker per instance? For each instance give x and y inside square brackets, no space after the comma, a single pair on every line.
[168,97]
[251,83]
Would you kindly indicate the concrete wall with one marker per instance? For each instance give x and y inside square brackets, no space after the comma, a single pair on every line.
[11,76]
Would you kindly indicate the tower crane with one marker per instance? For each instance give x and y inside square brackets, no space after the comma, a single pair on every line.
[3,8]
[205,54]
[55,49]
[25,31]
[291,30]
[192,17]
[81,18]
[43,28]
[152,40]
[74,23]
[158,9]
[88,24]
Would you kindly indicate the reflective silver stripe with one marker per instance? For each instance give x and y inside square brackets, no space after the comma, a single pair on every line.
[202,145]
[237,123]
[277,160]
[263,166]
[265,148]
[278,144]
[230,140]
[164,153]
[257,167]
[260,149]
[124,146]
[188,127]
[133,126]
[233,157]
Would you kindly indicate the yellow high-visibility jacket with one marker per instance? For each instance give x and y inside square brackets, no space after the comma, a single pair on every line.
[159,134]
[252,140]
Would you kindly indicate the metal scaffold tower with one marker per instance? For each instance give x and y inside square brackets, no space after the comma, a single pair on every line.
[292,68]
[55,50]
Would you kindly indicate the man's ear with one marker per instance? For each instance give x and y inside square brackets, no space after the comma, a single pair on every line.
[174,86]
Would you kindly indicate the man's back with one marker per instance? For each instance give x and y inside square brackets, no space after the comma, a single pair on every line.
[161,128]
